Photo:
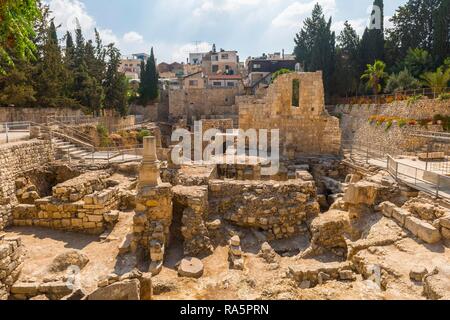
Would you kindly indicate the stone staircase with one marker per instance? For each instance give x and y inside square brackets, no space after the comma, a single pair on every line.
[70,149]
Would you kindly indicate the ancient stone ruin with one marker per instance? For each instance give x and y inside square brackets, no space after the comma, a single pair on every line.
[326,225]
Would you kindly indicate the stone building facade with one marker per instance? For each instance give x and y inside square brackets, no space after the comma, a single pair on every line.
[196,104]
[305,128]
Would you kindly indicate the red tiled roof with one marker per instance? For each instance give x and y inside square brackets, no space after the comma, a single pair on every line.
[225,77]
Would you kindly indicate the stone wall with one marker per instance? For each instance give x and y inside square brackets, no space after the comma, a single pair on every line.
[304,129]
[37,115]
[355,122]
[279,208]
[192,204]
[16,158]
[11,259]
[83,204]
[198,103]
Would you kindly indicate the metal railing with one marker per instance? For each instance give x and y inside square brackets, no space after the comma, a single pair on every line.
[14,131]
[387,98]
[426,181]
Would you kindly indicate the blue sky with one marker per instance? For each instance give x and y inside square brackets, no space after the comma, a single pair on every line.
[252,27]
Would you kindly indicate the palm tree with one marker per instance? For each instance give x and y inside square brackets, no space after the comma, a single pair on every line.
[374,74]
[436,80]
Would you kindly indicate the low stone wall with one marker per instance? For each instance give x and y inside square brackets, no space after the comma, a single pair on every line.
[409,218]
[355,121]
[79,187]
[16,158]
[279,208]
[38,115]
[11,261]
[91,215]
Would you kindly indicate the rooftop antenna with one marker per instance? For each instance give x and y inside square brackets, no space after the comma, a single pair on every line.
[197,43]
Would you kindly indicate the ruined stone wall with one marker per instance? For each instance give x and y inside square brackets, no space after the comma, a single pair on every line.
[37,115]
[188,103]
[304,129]
[83,204]
[192,202]
[355,121]
[279,208]
[16,158]
[11,259]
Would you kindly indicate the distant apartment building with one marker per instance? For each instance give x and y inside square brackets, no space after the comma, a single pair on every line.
[221,62]
[131,66]
[196,58]
[172,70]
[224,81]
[261,68]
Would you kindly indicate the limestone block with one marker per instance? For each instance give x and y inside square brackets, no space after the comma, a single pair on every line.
[29,289]
[445,233]
[363,192]
[423,230]
[445,222]
[400,215]
[123,290]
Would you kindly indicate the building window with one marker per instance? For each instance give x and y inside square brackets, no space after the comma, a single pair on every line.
[230,84]
[256,66]
[217,84]
[193,83]
[215,68]
[215,58]
[296,93]
[224,56]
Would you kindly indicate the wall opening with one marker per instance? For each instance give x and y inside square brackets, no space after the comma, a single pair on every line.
[296,93]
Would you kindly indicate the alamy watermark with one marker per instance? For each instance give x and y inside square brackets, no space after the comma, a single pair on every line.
[234,146]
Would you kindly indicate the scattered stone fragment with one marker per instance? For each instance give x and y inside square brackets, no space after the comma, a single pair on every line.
[190,268]
[417,273]
[69,258]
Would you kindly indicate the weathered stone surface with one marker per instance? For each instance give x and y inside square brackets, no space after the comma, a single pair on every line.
[190,268]
[418,273]
[146,286]
[123,290]
[363,192]
[437,284]
[69,258]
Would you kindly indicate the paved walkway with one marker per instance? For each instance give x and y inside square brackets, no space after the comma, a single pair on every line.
[14,136]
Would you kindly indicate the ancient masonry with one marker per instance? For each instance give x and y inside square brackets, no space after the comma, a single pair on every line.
[11,261]
[16,159]
[153,208]
[306,128]
[83,204]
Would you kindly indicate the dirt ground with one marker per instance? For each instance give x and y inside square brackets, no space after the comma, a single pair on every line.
[259,281]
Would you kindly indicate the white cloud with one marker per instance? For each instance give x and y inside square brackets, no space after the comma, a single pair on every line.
[181,52]
[226,5]
[358,24]
[67,12]
[133,37]
[295,13]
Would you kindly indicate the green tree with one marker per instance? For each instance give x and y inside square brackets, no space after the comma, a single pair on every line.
[17,19]
[148,89]
[16,88]
[374,76]
[347,70]
[115,84]
[418,61]
[413,27]
[401,81]
[437,80]
[315,46]
[441,45]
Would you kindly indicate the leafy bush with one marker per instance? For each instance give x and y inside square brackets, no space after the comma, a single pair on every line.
[142,134]
[444,96]
[103,134]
